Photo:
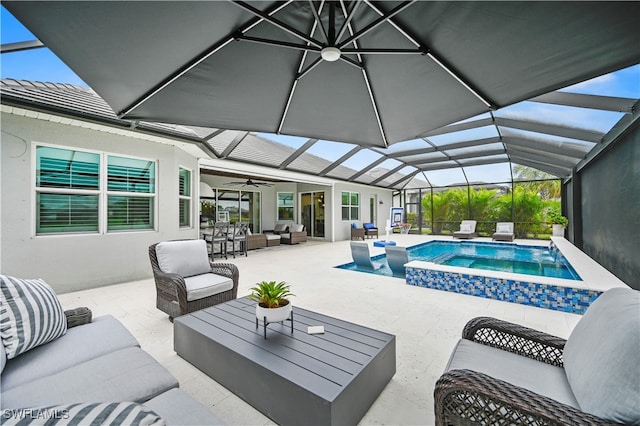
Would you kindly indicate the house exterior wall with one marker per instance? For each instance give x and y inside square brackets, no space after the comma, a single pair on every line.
[383,203]
[335,228]
[74,262]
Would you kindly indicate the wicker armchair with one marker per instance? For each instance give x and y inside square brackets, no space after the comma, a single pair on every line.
[295,234]
[600,355]
[171,289]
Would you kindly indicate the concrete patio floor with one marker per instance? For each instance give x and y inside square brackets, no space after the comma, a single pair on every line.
[427,323]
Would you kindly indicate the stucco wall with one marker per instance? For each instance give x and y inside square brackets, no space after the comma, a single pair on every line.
[74,262]
[343,227]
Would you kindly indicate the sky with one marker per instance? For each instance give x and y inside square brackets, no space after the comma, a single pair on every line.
[43,65]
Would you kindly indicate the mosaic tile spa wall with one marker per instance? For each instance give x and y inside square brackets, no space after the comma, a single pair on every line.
[558,298]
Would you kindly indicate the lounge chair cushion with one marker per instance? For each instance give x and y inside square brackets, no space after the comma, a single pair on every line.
[205,285]
[465,228]
[31,315]
[503,228]
[536,376]
[185,258]
[601,357]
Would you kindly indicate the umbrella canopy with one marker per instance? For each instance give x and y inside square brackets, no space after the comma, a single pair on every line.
[371,73]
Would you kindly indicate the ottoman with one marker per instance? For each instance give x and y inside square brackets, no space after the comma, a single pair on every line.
[273,240]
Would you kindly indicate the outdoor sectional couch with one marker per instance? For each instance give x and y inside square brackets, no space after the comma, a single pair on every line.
[93,361]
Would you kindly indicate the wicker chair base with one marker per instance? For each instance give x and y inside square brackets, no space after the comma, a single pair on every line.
[171,290]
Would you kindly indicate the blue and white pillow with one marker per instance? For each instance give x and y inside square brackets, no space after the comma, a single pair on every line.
[30,315]
[84,414]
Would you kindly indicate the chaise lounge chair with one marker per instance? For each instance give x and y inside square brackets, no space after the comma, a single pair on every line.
[504,231]
[396,259]
[360,255]
[504,373]
[467,230]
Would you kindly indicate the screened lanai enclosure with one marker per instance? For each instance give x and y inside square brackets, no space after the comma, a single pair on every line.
[494,111]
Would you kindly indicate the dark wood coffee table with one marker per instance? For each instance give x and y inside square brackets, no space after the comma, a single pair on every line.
[293,378]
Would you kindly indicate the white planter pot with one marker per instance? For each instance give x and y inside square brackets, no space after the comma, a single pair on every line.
[274,314]
[558,230]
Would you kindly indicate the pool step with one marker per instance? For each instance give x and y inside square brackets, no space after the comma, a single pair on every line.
[440,259]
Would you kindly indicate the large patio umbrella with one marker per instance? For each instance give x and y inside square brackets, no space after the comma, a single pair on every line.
[366,72]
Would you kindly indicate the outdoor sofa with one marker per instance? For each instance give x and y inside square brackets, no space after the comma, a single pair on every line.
[504,373]
[74,368]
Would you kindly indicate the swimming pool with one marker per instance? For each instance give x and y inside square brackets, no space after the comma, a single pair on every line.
[529,275]
[503,257]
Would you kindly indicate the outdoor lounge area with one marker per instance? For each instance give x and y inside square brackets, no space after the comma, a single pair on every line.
[427,324]
[156,171]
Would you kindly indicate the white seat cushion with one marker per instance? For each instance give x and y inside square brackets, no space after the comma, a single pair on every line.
[296,228]
[205,285]
[539,377]
[185,258]
[271,237]
[504,228]
[280,227]
[601,357]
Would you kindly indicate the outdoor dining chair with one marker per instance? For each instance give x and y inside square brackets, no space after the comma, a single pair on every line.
[217,236]
[237,237]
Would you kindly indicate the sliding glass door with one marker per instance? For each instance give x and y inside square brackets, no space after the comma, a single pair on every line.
[238,206]
[312,209]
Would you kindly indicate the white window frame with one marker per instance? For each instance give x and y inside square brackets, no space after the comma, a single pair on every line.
[350,206]
[102,192]
[188,198]
[293,205]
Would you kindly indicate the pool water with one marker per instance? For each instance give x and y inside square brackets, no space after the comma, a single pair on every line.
[504,257]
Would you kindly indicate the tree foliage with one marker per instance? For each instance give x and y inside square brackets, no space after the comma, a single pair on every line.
[527,206]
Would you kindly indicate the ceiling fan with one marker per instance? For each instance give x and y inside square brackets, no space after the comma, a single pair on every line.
[249,182]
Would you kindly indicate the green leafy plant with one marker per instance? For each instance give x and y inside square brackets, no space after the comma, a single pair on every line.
[270,294]
[555,216]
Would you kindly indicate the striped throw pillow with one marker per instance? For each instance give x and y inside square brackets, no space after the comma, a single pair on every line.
[30,315]
[85,414]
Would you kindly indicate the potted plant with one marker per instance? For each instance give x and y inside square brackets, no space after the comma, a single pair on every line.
[558,221]
[272,301]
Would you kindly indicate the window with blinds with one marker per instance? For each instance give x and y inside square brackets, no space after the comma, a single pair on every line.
[184,195]
[70,189]
[67,191]
[130,193]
